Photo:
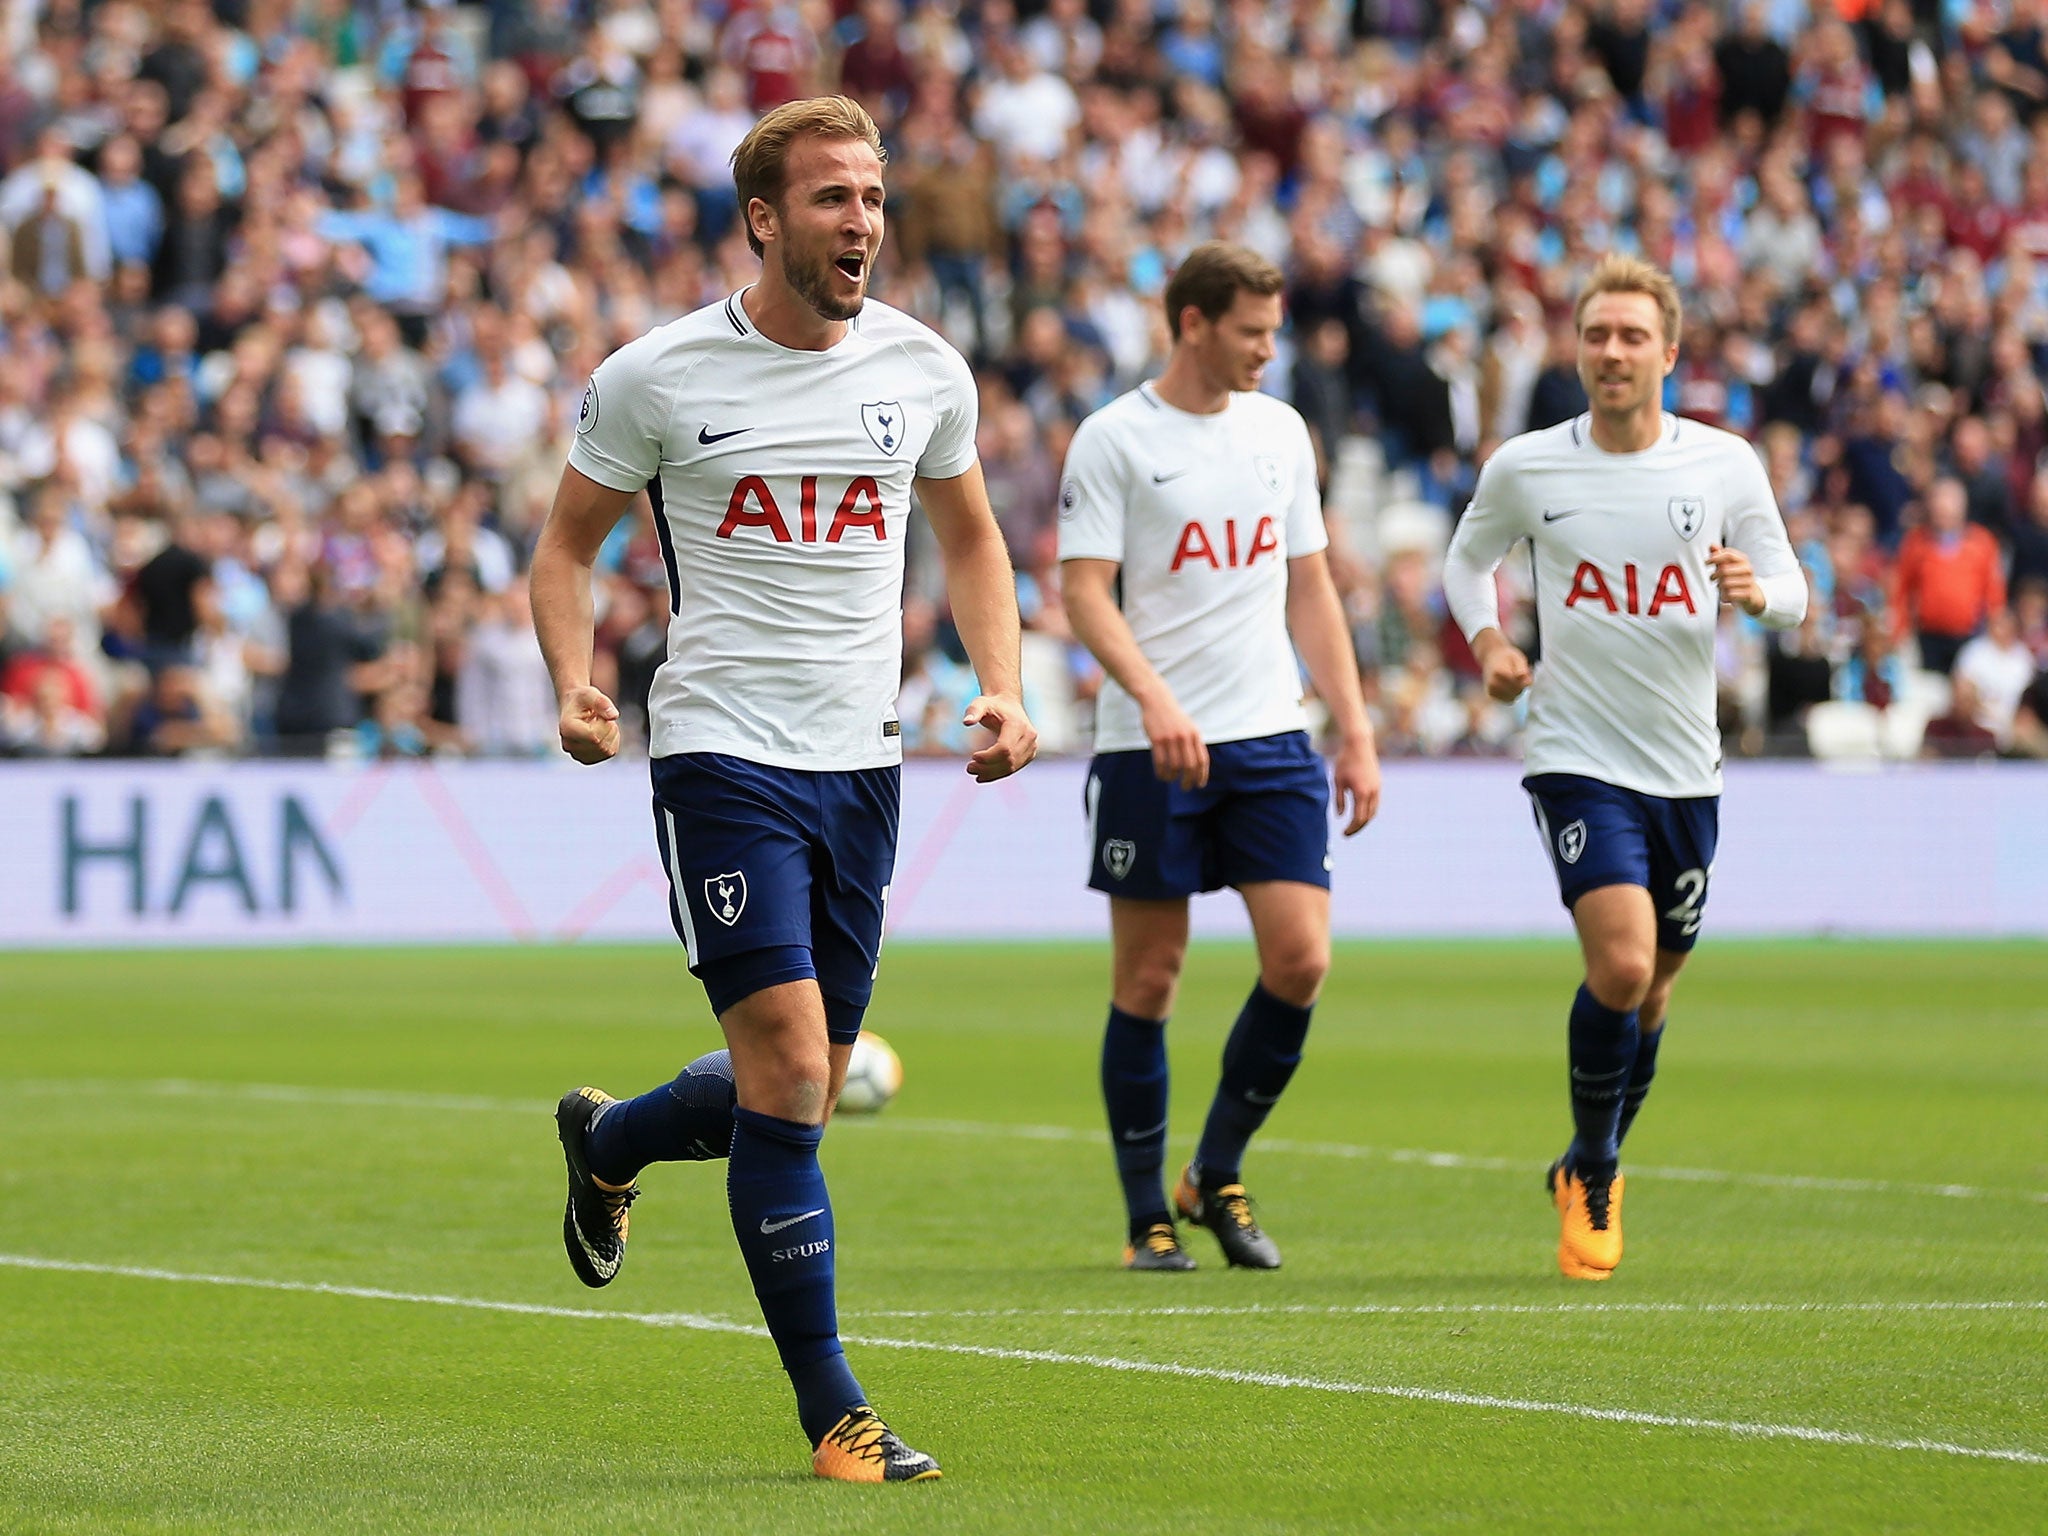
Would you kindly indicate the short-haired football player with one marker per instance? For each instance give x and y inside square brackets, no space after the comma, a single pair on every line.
[1642,525]
[1192,560]
[780,434]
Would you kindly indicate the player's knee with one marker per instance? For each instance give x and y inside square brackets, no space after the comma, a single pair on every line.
[1297,975]
[783,1068]
[1621,978]
[1147,990]
[796,1080]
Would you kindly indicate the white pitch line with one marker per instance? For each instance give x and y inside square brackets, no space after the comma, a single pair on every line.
[697,1322]
[1474,1309]
[377,1098]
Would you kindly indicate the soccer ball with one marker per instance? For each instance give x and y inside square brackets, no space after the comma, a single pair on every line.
[873,1074]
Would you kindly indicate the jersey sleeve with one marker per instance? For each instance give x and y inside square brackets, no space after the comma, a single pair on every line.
[625,415]
[1307,533]
[1092,497]
[1485,534]
[1754,525]
[951,450]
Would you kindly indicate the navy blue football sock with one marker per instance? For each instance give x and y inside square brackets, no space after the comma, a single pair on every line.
[1639,1079]
[686,1121]
[1134,1090]
[783,1219]
[1263,1050]
[1603,1050]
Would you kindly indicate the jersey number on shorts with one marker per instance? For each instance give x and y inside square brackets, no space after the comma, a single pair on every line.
[1692,888]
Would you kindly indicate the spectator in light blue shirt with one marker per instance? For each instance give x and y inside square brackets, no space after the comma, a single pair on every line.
[1191,48]
[135,214]
[408,246]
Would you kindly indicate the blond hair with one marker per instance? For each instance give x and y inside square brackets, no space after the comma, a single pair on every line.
[1212,275]
[1615,273]
[760,166]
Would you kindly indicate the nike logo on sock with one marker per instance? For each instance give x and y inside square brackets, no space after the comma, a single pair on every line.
[768,1226]
[1157,1130]
[1260,1098]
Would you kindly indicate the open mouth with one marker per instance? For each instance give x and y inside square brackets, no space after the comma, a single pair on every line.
[854,264]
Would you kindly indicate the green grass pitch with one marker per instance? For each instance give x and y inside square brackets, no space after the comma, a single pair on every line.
[1833,1315]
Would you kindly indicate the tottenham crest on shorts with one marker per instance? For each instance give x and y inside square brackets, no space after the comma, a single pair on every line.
[1118,854]
[726,896]
[1687,513]
[1571,842]
[1268,469]
[884,421]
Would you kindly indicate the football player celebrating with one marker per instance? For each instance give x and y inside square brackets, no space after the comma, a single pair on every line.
[1191,548]
[779,435]
[1637,520]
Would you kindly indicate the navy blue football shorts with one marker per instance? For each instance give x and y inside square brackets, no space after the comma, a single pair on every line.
[1263,815]
[1600,834]
[778,875]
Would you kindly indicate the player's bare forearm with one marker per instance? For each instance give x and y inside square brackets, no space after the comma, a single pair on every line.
[1087,591]
[1315,619]
[1087,587]
[562,613]
[982,588]
[563,555]
[980,583]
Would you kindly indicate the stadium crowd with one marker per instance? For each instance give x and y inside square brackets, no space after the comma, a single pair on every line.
[299,297]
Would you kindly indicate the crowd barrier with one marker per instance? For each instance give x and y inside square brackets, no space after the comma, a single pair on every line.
[105,853]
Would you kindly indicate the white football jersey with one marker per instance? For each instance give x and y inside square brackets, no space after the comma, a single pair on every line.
[1203,513]
[781,488]
[1625,687]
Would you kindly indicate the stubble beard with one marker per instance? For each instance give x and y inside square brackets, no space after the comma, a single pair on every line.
[811,281]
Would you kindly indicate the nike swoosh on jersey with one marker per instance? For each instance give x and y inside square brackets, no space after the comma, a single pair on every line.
[1175,474]
[707,436]
[1552,517]
[768,1226]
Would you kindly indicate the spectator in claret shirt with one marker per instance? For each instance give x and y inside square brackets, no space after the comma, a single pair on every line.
[1949,579]
[874,70]
[1958,733]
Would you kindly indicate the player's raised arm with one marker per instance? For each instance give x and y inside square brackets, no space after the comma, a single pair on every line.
[1756,569]
[1484,535]
[983,590]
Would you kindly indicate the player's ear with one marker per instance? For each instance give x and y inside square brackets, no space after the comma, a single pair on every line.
[762,218]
